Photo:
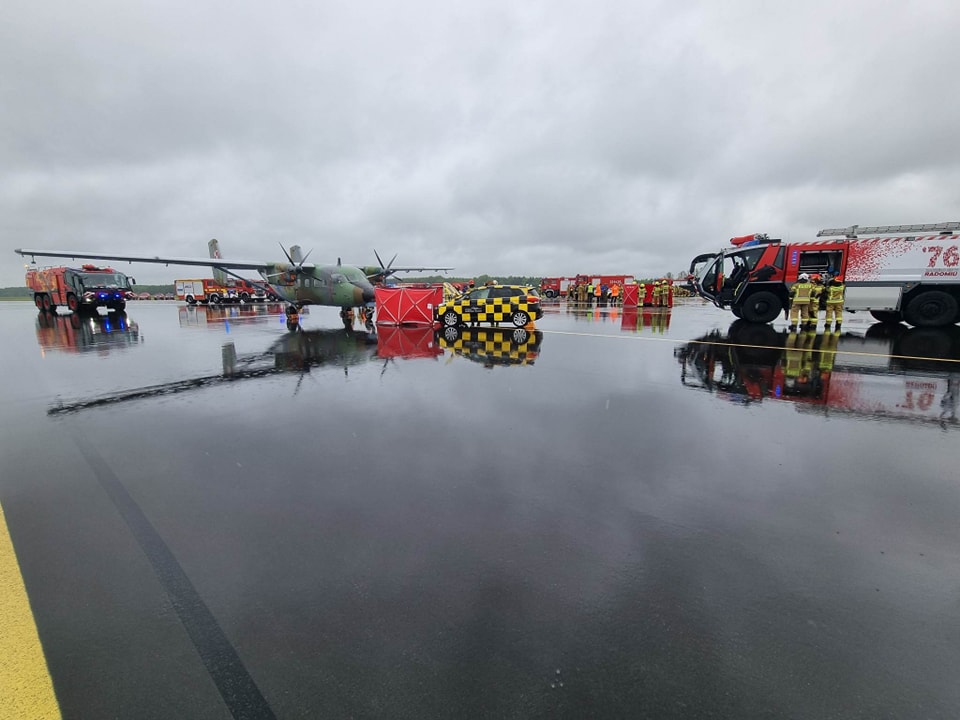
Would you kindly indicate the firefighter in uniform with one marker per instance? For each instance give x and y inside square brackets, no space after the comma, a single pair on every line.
[800,294]
[641,294]
[835,289]
[655,294]
[815,293]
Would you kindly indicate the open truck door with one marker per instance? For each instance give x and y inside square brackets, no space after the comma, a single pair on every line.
[707,273]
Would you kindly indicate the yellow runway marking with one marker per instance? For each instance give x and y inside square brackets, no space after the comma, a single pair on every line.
[26,690]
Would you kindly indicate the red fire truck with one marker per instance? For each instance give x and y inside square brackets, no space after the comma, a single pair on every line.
[82,289]
[896,272]
[553,287]
[212,291]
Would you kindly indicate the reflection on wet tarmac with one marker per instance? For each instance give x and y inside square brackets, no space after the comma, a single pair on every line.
[214,316]
[888,373]
[295,351]
[492,347]
[76,333]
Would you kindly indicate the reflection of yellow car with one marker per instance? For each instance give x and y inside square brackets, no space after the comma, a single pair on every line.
[515,304]
[493,346]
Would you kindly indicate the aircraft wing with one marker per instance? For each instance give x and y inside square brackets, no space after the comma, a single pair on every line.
[201,262]
[417,269]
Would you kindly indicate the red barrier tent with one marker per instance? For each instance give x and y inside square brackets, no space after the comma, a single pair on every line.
[407,306]
[407,342]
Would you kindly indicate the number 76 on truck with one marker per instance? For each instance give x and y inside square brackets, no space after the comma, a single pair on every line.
[896,273]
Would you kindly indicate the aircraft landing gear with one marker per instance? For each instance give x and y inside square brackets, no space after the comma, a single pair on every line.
[347,316]
[293,317]
[366,314]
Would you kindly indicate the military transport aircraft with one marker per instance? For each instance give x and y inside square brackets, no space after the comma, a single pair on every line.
[296,282]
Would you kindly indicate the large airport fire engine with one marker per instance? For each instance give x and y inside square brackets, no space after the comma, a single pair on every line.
[82,289]
[896,272]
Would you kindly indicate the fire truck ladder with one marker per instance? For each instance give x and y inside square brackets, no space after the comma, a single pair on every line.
[944,228]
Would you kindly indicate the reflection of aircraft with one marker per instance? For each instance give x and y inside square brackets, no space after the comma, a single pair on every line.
[297,351]
[902,374]
[493,346]
[296,281]
[76,333]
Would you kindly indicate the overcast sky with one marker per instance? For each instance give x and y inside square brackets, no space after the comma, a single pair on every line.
[501,137]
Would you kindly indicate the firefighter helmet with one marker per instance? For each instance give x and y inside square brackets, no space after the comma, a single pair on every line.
[803,276]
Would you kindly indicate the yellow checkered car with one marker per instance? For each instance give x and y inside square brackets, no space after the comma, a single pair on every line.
[492,346]
[495,304]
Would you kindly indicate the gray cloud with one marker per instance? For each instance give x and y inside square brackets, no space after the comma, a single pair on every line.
[530,138]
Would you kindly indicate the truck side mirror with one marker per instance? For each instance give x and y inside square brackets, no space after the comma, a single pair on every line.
[132,281]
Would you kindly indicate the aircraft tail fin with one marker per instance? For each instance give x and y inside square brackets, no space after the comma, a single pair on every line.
[296,254]
[219,275]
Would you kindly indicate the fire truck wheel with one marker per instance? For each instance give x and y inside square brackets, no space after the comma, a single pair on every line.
[191,300]
[761,307]
[933,308]
[520,318]
[887,316]
[245,297]
[550,294]
[38,301]
[214,299]
[47,305]
[72,302]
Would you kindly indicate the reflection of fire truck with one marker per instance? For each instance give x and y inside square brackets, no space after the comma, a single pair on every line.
[82,289]
[893,373]
[912,274]
[73,333]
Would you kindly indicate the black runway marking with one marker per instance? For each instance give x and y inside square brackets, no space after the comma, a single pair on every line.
[238,690]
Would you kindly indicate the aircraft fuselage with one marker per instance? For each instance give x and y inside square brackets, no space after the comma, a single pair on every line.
[336,285]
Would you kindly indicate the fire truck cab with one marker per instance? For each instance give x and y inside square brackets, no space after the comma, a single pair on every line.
[911,276]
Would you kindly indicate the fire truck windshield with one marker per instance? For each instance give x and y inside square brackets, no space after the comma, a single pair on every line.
[94,280]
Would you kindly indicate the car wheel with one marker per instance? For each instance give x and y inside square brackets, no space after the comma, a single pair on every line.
[451,319]
[520,336]
[520,318]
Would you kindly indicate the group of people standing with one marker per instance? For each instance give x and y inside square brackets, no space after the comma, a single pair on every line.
[808,294]
[601,294]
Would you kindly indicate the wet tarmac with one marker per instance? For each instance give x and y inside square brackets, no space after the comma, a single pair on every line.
[615,515]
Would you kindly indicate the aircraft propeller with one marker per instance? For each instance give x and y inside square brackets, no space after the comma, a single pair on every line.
[297,265]
[385,270]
